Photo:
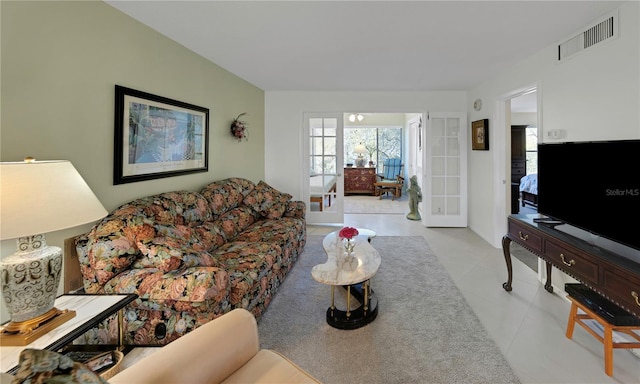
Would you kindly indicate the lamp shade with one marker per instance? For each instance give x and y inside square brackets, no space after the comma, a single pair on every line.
[360,149]
[44,196]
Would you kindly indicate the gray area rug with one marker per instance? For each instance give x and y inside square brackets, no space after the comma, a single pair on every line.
[425,331]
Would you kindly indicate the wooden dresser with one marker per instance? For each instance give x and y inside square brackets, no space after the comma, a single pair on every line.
[359,180]
[613,276]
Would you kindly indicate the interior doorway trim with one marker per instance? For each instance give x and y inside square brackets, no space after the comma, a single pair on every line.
[502,113]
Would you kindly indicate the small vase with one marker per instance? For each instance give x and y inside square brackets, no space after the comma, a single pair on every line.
[349,246]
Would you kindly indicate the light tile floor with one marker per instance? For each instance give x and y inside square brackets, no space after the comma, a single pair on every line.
[528,324]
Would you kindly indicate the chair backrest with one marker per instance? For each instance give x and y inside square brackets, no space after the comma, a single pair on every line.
[391,168]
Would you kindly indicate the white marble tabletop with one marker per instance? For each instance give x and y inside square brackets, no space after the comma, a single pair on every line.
[342,269]
[87,307]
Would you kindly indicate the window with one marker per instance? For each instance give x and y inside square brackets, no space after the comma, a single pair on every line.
[381,143]
[531,148]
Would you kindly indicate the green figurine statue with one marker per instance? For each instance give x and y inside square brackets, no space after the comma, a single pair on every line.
[415,197]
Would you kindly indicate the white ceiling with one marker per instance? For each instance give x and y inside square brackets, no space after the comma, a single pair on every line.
[366,45]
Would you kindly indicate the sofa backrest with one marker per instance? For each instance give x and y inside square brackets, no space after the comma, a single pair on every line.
[225,195]
[169,208]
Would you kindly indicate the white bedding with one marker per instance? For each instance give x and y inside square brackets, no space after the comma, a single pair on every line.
[529,183]
[317,187]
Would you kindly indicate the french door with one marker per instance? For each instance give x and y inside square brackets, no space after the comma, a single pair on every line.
[323,184]
[444,190]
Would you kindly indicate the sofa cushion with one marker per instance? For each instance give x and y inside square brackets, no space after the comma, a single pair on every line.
[186,289]
[174,247]
[267,201]
[249,265]
[229,225]
[224,195]
[281,232]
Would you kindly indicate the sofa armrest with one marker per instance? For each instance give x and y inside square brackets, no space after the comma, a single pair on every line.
[208,354]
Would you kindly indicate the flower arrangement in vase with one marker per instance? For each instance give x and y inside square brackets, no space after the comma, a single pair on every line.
[348,233]
[239,128]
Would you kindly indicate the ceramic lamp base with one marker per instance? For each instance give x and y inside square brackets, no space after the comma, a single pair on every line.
[30,279]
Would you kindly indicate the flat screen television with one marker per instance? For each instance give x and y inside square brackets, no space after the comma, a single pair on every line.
[594,186]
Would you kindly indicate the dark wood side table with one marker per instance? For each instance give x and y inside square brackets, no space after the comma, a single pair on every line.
[359,180]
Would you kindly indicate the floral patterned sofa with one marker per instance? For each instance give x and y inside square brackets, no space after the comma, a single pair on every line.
[191,257]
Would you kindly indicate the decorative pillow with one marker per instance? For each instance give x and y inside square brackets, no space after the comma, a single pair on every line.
[39,366]
[267,201]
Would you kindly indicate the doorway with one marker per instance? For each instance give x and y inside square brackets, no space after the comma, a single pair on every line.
[370,139]
[523,152]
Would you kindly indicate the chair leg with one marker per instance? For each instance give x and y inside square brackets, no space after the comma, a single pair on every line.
[572,320]
[608,350]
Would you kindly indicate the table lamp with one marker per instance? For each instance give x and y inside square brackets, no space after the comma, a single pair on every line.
[38,197]
[360,150]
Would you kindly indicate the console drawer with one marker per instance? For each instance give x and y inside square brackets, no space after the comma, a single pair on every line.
[624,288]
[571,262]
[525,237]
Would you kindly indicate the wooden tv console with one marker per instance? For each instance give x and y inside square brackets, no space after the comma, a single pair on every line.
[613,276]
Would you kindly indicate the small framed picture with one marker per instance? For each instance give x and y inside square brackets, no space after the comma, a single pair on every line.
[480,135]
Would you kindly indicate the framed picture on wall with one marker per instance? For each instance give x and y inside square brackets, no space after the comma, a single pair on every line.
[480,135]
[157,137]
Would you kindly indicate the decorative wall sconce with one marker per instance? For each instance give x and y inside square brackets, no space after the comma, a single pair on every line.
[239,128]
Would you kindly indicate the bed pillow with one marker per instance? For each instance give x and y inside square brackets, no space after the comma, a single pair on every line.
[267,201]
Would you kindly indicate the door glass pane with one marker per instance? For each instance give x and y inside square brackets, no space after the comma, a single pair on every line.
[453,205]
[329,145]
[437,206]
[437,127]
[453,147]
[438,168]
[453,166]
[453,185]
[437,147]
[323,162]
[437,186]
[452,127]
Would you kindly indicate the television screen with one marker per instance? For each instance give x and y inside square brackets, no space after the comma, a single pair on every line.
[594,186]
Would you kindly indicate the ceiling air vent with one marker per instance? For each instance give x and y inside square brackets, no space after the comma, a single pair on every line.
[603,30]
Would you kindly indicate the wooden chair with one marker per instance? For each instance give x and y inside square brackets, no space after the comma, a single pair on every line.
[607,337]
[391,179]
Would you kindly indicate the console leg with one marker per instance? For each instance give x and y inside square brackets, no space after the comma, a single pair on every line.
[506,245]
[547,285]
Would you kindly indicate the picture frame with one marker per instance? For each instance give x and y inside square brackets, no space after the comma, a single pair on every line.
[480,135]
[157,137]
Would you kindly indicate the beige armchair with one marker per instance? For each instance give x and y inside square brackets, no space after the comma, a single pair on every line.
[224,350]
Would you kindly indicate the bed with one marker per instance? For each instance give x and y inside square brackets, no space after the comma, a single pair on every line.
[529,189]
[321,187]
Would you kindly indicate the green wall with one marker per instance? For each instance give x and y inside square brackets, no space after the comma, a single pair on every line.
[60,63]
